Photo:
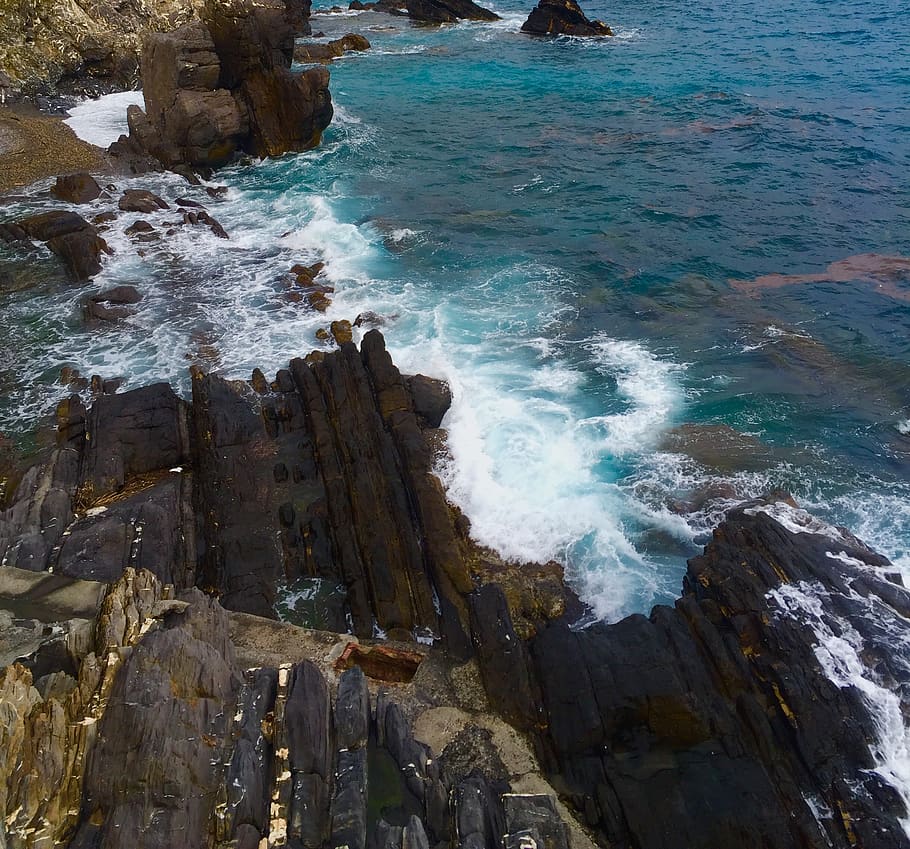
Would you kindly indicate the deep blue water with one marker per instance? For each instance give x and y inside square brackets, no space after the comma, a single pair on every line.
[554,225]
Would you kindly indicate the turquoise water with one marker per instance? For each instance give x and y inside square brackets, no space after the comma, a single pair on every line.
[554,226]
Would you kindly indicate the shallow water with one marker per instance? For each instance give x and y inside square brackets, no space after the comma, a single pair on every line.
[553,226]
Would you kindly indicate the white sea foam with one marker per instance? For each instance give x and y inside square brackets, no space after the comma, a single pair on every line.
[102,121]
[796,520]
[903,427]
[840,650]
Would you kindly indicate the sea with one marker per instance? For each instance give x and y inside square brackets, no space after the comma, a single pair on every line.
[662,272]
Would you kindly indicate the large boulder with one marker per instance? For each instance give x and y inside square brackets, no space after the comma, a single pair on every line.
[72,238]
[562,17]
[448,11]
[313,52]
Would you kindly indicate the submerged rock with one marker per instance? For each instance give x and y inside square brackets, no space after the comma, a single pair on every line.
[562,17]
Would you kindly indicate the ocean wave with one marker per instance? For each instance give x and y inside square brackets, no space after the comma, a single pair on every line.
[102,121]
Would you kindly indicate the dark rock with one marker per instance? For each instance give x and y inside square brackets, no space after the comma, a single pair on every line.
[76,188]
[503,660]
[49,225]
[533,820]
[72,238]
[312,52]
[352,710]
[101,311]
[119,295]
[308,724]
[157,752]
[431,398]
[248,777]
[562,17]
[349,802]
[479,818]
[132,434]
[448,11]
[141,200]
[713,722]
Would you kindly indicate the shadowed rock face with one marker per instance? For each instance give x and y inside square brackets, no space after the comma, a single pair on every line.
[562,17]
[223,84]
[325,473]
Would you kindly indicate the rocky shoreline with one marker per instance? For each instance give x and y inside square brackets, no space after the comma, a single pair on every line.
[427,694]
[712,723]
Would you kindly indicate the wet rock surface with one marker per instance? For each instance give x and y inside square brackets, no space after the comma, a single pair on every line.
[737,717]
[448,11]
[562,17]
[67,234]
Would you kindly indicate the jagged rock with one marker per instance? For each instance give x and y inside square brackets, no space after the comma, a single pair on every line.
[431,398]
[132,434]
[141,200]
[311,52]
[448,11]
[124,294]
[712,723]
[76,188]
[249,774]
[72,238]
[533,820]
[562,17]
[223,85]
[157,752]
[479,818]
[352,728]
[112,304]
[341,331]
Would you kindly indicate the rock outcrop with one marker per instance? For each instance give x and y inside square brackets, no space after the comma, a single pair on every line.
[222,85]
[142,731]
[325,474]
[562,17]
[448,11]
[49,45]
[764,709]
[739,716]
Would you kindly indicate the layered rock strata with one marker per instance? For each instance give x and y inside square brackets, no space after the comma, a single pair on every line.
[145,733]
[324,473]
[755,712]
